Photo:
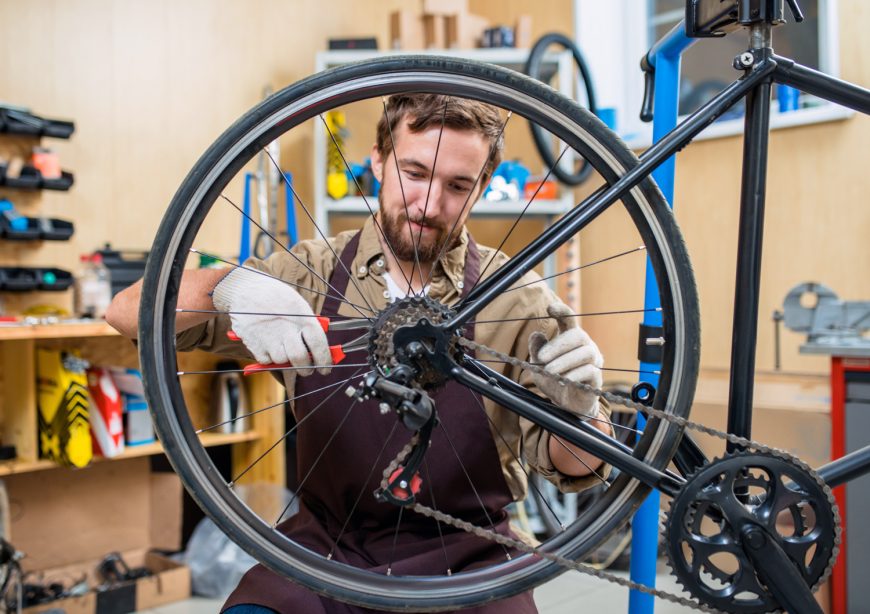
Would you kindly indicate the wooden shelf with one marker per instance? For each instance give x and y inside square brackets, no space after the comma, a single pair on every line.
[61,330]
[208,440]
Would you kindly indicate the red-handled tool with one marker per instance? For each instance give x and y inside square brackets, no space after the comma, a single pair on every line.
[338,352]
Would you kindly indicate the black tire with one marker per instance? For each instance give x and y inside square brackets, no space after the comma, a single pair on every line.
[542,139]
[203,186]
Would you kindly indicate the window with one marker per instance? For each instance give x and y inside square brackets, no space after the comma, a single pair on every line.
[705,68]
[613,36]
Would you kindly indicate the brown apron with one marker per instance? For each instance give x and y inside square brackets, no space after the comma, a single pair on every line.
[342,444]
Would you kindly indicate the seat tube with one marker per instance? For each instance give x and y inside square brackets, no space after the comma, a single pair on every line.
[749,248]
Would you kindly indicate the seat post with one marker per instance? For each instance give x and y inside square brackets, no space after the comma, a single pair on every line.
[751,232]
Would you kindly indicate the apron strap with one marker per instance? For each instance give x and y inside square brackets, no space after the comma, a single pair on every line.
[339,278]
[472,271]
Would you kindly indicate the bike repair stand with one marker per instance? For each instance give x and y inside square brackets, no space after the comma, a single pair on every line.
[771,563]
[645,524]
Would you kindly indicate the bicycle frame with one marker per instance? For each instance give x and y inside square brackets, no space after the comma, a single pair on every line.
[762,69]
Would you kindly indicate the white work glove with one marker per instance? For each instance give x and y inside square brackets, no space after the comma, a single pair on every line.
[571,354]
[296,338]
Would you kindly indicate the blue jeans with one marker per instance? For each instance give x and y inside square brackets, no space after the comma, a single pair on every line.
[249,608]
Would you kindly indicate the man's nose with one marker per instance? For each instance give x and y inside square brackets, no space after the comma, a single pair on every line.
[431,199]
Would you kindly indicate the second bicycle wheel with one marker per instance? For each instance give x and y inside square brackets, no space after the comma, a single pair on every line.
[611,249]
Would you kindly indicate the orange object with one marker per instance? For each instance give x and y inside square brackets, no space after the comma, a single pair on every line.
[336,351]
[47,162]
[549,190]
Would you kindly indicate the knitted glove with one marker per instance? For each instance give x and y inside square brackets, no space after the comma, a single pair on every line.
[296,337]
[571,354]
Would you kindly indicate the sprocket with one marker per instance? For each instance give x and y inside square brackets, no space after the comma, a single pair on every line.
[406,312]
[703,528]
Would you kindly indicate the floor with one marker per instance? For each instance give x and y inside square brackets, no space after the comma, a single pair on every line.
[561,596]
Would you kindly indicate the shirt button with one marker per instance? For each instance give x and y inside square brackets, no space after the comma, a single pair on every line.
[379,262]
[386,294]
[460,285]
[362,270]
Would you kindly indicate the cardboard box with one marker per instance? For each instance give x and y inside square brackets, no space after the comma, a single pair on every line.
[434,32]
[444,7]
[74,519]
[406,30]
[463,31]
[169,582]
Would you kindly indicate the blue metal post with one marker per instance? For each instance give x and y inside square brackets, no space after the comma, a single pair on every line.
[245,240]
[665,57]
[290,208]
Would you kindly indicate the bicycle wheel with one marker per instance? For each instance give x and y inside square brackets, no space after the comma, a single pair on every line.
[640,224]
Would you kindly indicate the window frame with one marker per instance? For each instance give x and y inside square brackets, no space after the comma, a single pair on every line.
[614,64]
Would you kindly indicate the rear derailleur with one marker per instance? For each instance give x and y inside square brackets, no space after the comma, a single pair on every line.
[415,409]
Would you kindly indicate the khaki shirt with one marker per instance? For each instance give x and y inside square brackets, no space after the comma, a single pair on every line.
[502,325]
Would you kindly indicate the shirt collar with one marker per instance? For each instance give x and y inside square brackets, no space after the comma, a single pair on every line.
[370,256]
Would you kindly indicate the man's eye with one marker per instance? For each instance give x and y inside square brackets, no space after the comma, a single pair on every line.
[414,174]
[460,187]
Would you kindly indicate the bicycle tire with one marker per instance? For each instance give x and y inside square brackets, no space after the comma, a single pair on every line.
[533,69]
[227,156]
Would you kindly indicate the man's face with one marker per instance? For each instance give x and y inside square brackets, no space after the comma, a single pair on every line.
[432,211]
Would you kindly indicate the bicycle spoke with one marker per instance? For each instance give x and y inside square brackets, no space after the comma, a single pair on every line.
[644,371]
[272,369]
[350,276]
[578,459]
[429,192]
[492,150]
[471,483]
[363,489]
[297,258]
[578,268]
[284,281]
[273,406]
[316,460]
[362,193]
[520,217]
[260,313]
[449,570]
[573,315]
[395,539]
[232,482]
[402,189]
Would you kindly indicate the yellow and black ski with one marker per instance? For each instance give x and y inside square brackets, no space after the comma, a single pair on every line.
[64,427]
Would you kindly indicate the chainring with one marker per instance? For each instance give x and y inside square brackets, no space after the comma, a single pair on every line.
[703,540]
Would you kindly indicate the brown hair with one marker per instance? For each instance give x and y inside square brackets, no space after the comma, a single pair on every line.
[426,110]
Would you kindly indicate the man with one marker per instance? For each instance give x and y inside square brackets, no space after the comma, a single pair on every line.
[417,244]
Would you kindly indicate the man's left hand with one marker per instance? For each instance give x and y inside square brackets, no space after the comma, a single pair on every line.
[571,354]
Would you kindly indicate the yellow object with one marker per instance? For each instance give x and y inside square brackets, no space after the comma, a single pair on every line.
[64,427]
[336,178]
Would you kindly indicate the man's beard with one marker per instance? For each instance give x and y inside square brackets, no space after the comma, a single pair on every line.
[398,235]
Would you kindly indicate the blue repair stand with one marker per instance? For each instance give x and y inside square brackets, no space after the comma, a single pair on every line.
[665,58]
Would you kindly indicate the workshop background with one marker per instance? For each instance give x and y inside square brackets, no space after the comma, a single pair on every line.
[149,85]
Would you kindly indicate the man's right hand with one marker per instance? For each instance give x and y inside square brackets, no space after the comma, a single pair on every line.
[287,330]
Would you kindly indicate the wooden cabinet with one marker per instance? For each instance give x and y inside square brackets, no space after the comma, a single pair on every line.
[100,344]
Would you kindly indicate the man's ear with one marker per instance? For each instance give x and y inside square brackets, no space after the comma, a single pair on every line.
[377,164]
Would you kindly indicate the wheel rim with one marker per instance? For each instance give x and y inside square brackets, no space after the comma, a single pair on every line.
[166,397]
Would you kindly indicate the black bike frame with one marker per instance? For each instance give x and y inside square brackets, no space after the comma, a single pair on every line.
[755,85]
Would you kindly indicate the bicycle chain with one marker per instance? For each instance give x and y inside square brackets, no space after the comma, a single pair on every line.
[620,400]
